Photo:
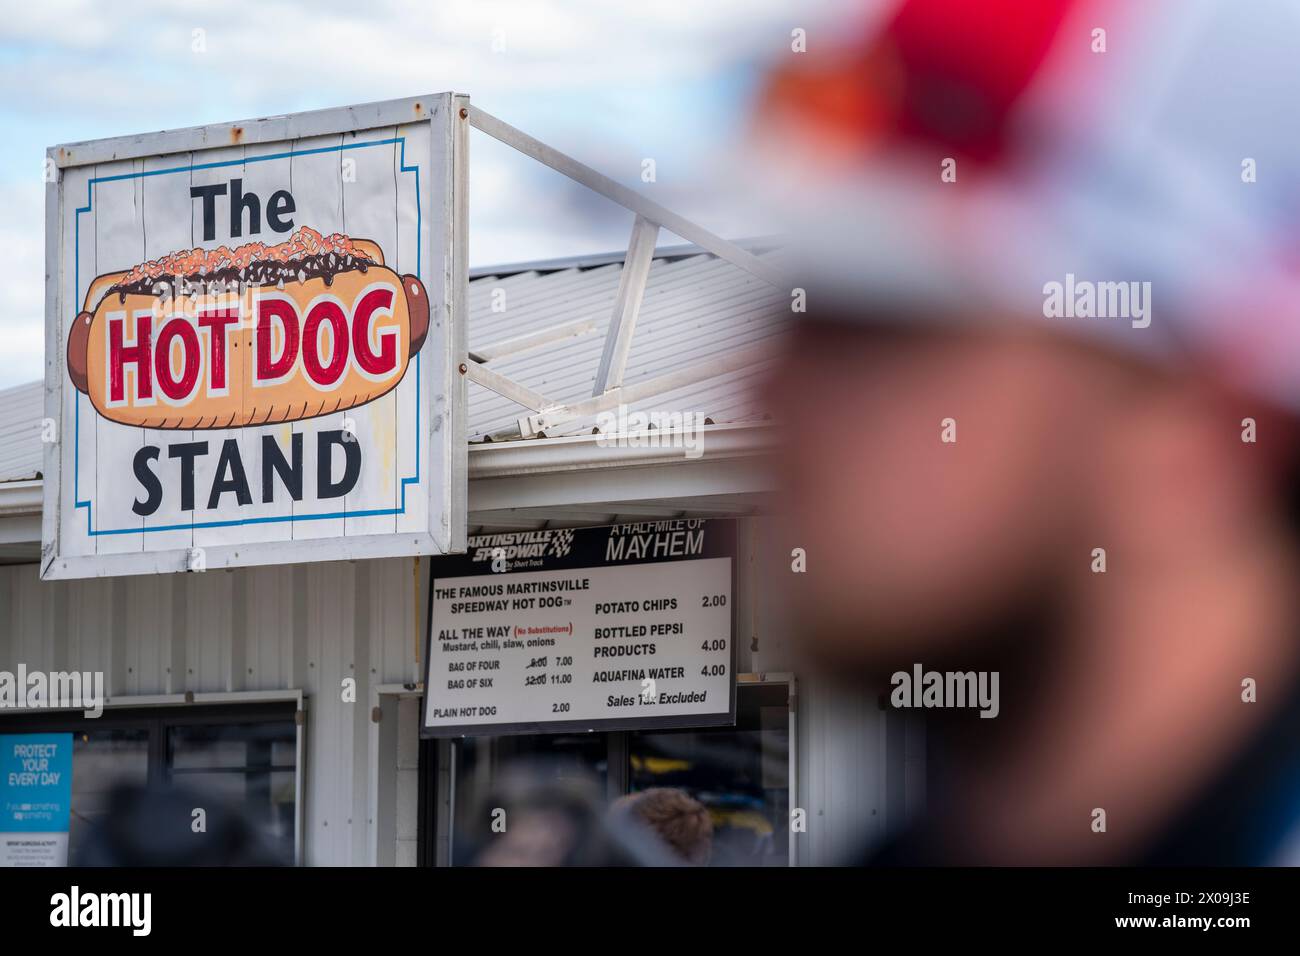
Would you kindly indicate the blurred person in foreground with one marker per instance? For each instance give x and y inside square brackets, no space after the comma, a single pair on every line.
[677,818]
[1166,689]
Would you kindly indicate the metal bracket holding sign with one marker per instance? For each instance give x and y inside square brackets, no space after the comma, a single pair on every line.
[253,339]
[612,628]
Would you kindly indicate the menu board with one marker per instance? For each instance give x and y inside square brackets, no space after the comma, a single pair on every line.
[620,627]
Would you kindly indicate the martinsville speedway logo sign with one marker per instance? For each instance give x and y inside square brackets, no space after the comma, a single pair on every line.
[251,344]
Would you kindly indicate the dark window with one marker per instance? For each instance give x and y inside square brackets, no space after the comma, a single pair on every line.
[741,774]
[245,757]
[101,760]
[249,765]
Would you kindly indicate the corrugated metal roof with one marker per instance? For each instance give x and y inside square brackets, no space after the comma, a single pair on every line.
[757,245]
[21,410]
[696,307]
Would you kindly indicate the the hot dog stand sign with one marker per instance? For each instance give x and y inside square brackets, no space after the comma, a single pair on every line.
[252,330]
[619,627]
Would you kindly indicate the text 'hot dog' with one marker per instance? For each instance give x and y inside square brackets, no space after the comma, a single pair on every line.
[252,336]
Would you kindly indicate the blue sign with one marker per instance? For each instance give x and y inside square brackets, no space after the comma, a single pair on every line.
[35,783]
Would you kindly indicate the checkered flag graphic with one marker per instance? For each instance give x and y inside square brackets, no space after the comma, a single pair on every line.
[561,542]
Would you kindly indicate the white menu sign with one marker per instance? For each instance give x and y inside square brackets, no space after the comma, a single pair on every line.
[619,627]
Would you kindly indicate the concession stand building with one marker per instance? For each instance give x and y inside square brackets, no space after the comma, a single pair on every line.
[581,579]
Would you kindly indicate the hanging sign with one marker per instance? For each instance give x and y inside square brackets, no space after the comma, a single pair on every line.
[251,337]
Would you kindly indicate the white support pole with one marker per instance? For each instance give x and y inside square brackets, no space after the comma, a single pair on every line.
[508,388]
[631,288]
[628,198]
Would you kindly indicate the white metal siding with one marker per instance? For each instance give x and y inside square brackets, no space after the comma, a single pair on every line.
[21,410]
[841,773]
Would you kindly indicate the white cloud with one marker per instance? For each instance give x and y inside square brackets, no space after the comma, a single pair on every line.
[263,50]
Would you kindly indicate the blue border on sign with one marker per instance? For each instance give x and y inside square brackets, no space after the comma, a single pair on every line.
[76,447]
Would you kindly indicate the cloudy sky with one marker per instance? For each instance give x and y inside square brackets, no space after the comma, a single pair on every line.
[611,82]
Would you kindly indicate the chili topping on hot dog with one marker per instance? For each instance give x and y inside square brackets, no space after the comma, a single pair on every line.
[304,255]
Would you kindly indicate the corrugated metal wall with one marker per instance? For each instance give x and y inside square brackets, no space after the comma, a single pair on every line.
[860,770]
[307,627]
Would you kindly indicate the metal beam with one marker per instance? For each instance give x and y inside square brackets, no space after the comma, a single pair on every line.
[508,388]
[625,197]
[557,414]
[522,343]
[631,288]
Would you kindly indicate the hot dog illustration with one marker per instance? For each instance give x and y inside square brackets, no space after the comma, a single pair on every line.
[251,336]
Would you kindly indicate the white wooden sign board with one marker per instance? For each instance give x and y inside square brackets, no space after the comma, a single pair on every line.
[253,339]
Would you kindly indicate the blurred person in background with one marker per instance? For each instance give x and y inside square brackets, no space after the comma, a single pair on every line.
[537,813]
[677,818]
[156,826]
[945,172]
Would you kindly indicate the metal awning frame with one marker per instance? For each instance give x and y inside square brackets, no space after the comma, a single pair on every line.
[608,391]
